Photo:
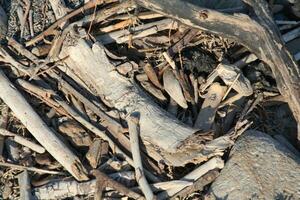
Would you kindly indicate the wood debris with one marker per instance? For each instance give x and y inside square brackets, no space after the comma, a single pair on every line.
[110,99]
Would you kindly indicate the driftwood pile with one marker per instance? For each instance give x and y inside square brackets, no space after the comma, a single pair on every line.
[138,99]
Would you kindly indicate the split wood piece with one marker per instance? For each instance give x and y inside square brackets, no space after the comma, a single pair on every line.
[60,10]
[169,60]
[24,184]
[23,141]
[141,31]
[206,116]
[153,90]
[3,125]
[148,69]
[214,163]
[233,77]
[76,134]
[33,169]
[134,132]
[109,182]
[50,29]
[158,128]
[198,185]
[43,134]
[173,88]
[94,153]
[260,36]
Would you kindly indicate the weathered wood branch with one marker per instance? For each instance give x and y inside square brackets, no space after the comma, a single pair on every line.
[133,125]
[158,128]
[43,134]
[260,36]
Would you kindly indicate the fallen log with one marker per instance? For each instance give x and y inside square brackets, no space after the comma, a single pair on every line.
[159,130]
[260,36]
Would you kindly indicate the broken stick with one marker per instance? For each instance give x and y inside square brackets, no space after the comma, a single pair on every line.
[43,134]
[137,160]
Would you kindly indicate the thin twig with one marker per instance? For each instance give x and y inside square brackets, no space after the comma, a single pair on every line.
[34,169]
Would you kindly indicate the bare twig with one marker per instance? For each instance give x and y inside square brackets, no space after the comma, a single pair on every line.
[23,141]
[133,124]
[33,169]
[24,183]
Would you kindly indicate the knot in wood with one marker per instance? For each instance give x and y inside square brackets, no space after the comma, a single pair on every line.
[203,14]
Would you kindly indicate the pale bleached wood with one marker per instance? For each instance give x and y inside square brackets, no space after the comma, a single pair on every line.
[144,30]
[24,184]
[173,88]
[33,169]
[23,141]
[43,134]
[206,116]
[158,128]
[134,132]
[214,163]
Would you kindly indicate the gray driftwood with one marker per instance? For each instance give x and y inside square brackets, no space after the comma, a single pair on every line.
[158,128]
[43,134]
[259,167]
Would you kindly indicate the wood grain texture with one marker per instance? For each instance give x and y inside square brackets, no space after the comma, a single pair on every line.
[159,130]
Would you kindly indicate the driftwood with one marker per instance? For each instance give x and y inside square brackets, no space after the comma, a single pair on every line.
[24,182]
[39,129]
[33,169]
[23,141]
[214,163]
[133,125]
[158,128]
[260,36]
[206,116]
[108,182]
